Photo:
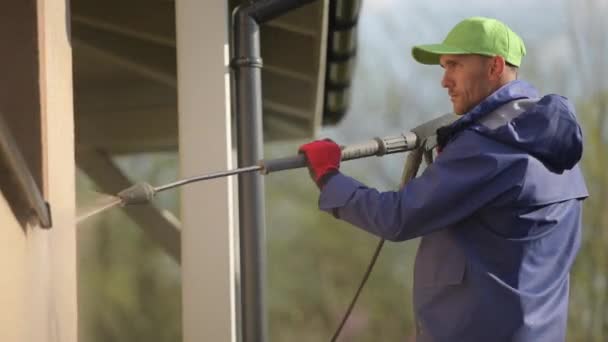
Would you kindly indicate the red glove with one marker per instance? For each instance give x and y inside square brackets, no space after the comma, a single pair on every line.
[323,158]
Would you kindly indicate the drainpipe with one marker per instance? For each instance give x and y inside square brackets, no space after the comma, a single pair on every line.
[247,64]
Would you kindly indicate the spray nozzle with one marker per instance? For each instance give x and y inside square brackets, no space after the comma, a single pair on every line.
[139,193]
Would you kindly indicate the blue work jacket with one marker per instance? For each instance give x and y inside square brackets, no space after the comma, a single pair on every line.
[499,213]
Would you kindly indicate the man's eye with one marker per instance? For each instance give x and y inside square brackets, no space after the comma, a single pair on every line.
[449,65]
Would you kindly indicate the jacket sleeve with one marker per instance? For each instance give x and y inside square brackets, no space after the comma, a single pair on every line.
[465,177]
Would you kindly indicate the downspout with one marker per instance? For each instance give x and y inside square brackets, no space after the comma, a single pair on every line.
[246,64]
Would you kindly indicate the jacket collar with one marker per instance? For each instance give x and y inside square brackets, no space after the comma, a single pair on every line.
[511,91]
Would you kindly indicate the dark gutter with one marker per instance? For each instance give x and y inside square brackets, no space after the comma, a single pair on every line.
[341,56]
[246,65]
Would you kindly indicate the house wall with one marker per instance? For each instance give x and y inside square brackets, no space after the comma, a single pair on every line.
[13,284]
[38,282]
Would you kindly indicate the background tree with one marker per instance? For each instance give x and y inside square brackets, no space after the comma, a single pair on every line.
[589,41]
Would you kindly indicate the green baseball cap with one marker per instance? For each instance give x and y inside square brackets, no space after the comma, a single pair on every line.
[476,35]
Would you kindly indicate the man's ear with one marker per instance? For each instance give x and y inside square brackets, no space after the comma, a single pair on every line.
[497,67]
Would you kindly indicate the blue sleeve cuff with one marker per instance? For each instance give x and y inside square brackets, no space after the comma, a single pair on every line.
[337,191]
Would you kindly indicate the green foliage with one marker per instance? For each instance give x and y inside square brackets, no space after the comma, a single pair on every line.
[588,319]
[589,288]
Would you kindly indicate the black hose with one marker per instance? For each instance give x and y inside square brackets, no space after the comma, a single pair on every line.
[361,285]
[412,164]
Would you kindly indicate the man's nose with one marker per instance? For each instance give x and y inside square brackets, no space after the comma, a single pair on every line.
[445,81]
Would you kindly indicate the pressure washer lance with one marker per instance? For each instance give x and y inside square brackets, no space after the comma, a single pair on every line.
[143,192]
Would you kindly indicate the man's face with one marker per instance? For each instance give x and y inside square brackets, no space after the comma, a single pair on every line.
[467,79]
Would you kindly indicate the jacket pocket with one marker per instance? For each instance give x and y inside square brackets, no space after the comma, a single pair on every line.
[440,261]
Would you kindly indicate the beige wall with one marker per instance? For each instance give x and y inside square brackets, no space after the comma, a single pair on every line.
[55,249]
[13,277]
[38,278]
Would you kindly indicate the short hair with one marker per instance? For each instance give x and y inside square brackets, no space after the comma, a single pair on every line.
[514,69]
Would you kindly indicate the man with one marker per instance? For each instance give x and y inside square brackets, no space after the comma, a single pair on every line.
[499,211]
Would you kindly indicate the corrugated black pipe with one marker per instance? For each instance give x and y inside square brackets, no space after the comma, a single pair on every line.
[341,54]
[246,64]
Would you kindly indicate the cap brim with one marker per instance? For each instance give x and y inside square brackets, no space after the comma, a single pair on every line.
[429,54]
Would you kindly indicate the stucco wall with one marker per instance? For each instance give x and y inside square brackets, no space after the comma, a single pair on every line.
[38,278]
[12,278]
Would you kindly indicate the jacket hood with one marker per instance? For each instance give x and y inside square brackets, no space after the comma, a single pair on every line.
[548,129]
